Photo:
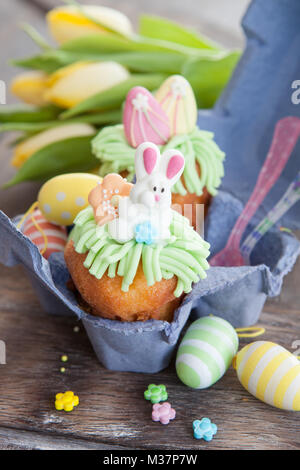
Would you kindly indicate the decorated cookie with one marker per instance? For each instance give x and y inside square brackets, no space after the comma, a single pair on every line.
[49,238]
[270,373]
[144,119]
[206,351]
[61,198]
[104,198]
[177,99]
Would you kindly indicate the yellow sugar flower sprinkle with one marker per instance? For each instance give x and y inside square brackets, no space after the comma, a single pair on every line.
[66,401]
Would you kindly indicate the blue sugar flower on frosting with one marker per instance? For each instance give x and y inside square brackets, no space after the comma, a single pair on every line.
[145,233]
[204,429]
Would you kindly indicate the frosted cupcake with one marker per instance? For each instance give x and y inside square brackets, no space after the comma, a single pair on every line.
[132,257]
[167,119]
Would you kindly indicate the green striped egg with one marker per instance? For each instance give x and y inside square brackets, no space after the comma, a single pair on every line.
[206,351]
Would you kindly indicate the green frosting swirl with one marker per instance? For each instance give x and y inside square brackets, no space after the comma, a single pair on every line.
[198,147]
[184,256]
[116,155]
[114,152]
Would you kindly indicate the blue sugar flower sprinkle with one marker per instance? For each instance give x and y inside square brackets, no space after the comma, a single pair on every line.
[145,233]
[204,429]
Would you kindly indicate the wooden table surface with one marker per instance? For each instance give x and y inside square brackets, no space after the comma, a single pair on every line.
[113,413]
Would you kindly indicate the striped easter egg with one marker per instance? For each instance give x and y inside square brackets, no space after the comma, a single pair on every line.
[178,101]
[56,235]
[206,351]
[144,119]
[270,373]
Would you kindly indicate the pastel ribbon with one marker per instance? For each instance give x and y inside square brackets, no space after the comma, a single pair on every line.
[287,132]
[290,197]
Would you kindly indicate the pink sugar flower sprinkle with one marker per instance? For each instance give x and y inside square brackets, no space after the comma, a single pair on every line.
[163,412]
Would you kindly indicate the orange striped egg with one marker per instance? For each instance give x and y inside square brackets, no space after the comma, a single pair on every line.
[37,228]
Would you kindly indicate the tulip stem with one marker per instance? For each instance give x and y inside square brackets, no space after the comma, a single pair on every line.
[35,36]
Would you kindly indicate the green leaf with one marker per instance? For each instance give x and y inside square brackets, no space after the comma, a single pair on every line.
[23,113]
[109,43]
[208,77]
[107,117]
[155,62]
[156,27]
[69,155]
[115,96]
[48,62]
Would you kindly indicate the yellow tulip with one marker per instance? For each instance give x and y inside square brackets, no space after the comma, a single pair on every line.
[30,87]
[77,82]
[28,147]
[69,22]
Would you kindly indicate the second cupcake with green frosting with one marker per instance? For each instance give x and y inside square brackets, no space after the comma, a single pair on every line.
[167,119]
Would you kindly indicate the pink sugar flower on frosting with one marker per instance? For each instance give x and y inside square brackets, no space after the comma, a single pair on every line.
[104,197]
[163,412]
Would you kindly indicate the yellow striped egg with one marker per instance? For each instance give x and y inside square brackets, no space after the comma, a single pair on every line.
[62,197]
[177,99]
[270,373]
[206,351]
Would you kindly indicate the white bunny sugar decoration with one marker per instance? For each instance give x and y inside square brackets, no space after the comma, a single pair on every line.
[145,215]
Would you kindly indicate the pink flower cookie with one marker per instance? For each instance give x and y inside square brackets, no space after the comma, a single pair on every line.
[104,197]
[163,412]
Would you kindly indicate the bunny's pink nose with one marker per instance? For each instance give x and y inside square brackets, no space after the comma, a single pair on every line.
[157,197]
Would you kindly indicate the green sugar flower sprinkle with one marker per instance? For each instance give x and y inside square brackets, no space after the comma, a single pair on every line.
[156,393]
[184,256]
[116,155]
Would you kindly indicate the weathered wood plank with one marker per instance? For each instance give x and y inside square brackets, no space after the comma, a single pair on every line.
[112,409]
[14,439]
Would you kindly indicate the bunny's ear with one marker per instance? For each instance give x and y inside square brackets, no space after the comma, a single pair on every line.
[172,165]
[147,157]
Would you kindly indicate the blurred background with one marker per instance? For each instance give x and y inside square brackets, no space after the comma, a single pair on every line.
[219,20]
